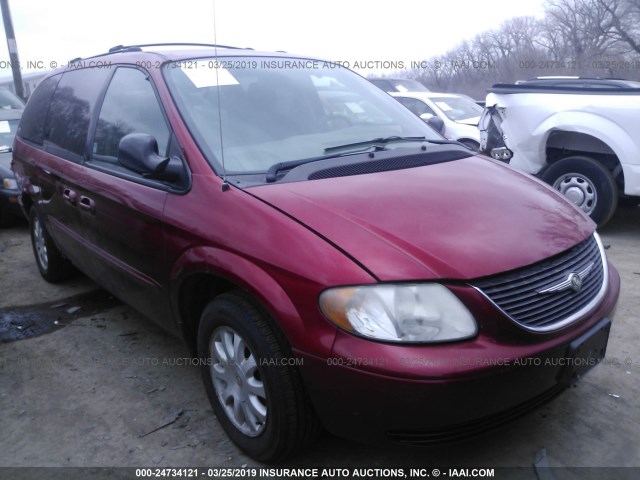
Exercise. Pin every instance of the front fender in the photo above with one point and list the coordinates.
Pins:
(299, 324)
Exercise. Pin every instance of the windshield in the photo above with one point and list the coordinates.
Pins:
(261, 111)
(457, 108)
(8, 101)
(7, 133)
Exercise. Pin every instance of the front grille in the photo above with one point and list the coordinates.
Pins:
(520, 293)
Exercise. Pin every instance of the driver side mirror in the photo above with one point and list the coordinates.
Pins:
(434, 122)
(139, 152)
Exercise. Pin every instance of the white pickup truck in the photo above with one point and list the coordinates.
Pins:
(584, 141)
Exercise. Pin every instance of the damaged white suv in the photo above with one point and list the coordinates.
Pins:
(584, 141)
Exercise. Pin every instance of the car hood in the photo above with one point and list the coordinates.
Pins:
(457, 130)
(457, 220)
(470, 121)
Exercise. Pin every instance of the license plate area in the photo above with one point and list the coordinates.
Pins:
(585, 352)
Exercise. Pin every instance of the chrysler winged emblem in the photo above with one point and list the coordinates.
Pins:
(572, 282)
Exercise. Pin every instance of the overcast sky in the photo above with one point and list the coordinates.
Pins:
(55, 31)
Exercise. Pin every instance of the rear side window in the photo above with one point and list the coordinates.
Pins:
(35, 113)
(130, 106)
(67, 124)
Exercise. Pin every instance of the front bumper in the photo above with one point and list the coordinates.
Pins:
(376, 392)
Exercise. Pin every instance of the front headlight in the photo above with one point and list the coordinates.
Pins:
(9, 184)
(399, 313)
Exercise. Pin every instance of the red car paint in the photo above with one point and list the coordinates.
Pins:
(285, 243)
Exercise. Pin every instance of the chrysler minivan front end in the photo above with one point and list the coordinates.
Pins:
(331, 259)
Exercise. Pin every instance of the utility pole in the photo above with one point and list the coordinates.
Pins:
(13, 48)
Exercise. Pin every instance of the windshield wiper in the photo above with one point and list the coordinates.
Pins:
(376, 141)
(272, 173)
(376, 144)
(447, 142)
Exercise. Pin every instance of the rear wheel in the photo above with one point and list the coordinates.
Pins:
(53, 265)
(251, 380)
(587, 183)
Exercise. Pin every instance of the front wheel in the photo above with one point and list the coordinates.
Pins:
(587, 183)
(251, 380)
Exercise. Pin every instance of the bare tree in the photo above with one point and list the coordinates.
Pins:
(585, 37)
(622, 22)
(582, 26)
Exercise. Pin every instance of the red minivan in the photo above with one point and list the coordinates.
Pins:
(331, 260)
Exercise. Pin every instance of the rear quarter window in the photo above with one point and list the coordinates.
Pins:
(72, 105)
(32, 122)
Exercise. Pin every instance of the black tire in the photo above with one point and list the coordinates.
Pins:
(291, 423)
(53, 265)
(588, 183)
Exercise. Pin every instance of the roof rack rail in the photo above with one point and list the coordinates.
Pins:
(137, 48)
(125, 48)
